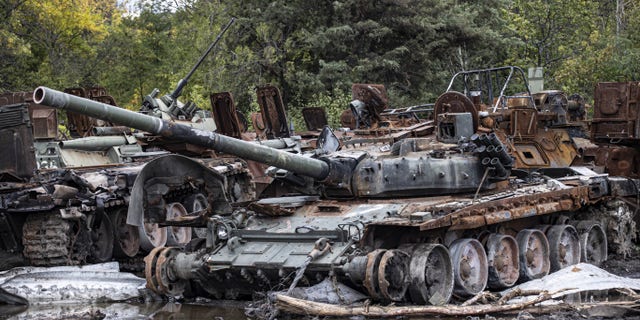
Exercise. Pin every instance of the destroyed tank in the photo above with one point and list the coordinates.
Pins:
(40, 188)
(489, 198)
(68, 201)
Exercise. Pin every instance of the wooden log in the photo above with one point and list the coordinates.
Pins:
(304, 307)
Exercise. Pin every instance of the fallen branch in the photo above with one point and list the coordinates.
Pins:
(483, 296)
(304, 307)
(630, 293)
(517, 292)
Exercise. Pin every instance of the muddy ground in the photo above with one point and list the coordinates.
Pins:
(234, 310)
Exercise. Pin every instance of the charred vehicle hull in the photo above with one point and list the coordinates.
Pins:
(455, 210)
(67, 202)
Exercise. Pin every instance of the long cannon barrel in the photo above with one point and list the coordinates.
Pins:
(314, 168)
(94, 143)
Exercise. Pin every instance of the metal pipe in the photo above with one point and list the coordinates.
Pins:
(110, 131)
(93, 143)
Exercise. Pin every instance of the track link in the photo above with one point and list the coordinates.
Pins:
(49, 240)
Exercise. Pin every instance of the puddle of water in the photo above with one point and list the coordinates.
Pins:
(174, 311)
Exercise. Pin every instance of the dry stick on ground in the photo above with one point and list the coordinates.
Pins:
(630, 293)
(303, 307)
(517, 292)
(483, 295)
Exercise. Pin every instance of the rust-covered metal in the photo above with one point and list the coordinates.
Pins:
(273, 111)
(225, 114)
(18, 160)
(616, 114)
(315, 118)
(81, 125)
(431, 180)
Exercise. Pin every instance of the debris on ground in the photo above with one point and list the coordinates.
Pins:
(575, 279)
(69, 284)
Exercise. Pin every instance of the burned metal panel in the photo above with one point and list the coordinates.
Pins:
(315, 118)
(225, 114)
(82, 125)
(524, 123)
(422, 176)
(614, 160)
(44, 119)
(96, 91)
(616, 111)
(548, 148)
(512, 208)
(273, 112)
(454, 126)
(45, 123)
(530, 155)
(17, 161)
(373, 95)
(15, 97)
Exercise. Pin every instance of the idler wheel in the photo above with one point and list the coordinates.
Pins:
(177, 236)
(158, 272)
(150, 262)
(564, 246)
(469, 267)
(593, 242)
(371, 273)
(126, 237)
(430, 274)
(392, 275)
(502, 256)
(102, 238)
(167, 283)
(533, 254)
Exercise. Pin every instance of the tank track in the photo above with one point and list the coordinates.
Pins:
(49, 240)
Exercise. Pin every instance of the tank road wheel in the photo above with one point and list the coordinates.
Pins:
(195, 203)
(564, 246)
(469, 266)
(392, 275)
(177, 236)
(102, 240)
(502, 256)
(126, 237)
(371, 273)
(593, 242)
(534, 254)
(152, 236)
(430, 274)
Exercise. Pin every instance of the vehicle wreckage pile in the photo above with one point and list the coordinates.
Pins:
(496, 187)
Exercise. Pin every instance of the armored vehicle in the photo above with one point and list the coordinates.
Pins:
(68, 201)
(489, 198)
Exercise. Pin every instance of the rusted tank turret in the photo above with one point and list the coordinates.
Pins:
(458, 210)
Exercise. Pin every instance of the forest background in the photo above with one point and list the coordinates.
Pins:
(312, 50)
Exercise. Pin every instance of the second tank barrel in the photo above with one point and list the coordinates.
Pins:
(314, 168)
(94, 143)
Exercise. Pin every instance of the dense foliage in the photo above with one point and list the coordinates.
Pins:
(312, 50)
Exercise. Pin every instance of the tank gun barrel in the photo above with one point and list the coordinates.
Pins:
(314, 168)
(94, 143)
